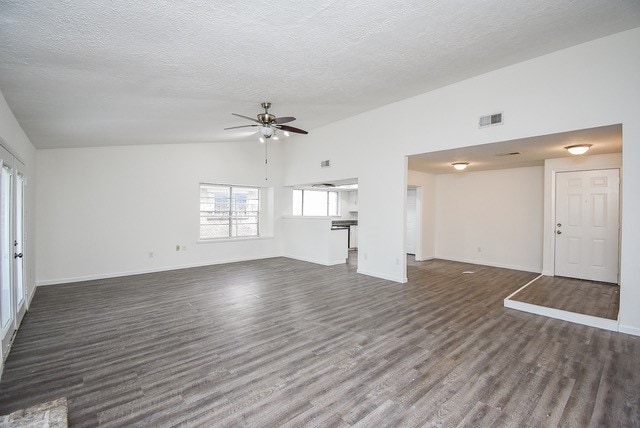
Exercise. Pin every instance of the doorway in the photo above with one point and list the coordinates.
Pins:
(587, 224)
(12, 216)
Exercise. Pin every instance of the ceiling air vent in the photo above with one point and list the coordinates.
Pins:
(508, 154)
(490, 119)
(325, 164)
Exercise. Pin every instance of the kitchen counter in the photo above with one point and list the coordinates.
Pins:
(343, 223)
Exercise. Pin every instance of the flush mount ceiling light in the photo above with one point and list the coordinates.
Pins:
(460, 165)
(578, 149)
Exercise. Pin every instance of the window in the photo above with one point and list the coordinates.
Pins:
(228, 211)
(316, 202)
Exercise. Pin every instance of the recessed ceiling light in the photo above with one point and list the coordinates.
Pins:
(460, 165)
(578, 149)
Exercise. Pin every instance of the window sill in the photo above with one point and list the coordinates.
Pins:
(248, 238)
(313, 217)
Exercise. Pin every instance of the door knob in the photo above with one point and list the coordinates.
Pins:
(18, 255)
(559, 232)
(559, 225)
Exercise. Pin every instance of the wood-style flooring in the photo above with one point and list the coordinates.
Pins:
(280, 342)
(597, 299)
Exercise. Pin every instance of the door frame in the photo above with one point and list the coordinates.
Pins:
(17, 166)
(418, 228)
(549, 250)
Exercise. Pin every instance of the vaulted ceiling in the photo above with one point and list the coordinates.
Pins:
(90, 73)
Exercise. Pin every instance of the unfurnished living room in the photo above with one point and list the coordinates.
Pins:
(285, 213)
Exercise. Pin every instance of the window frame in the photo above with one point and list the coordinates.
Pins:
(230, 213)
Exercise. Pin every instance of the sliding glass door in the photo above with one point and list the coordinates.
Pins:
(12, 215)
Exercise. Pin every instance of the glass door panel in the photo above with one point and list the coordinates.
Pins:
(7, 313)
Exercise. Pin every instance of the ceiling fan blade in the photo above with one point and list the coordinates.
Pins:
(246, 117)
(242, 126)
(291, 129)
(288, 119)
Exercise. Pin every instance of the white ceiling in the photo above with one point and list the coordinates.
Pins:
(91, 73)
(532, 151)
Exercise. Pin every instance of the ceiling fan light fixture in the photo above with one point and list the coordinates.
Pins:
(266, 131)
(578, 149)
(262, 140)
(460, 165)
(286, 133)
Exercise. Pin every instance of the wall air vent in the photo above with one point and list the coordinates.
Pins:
(325, 164)
(490, 120)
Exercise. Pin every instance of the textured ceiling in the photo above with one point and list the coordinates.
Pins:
(531, 151)
(92, 73)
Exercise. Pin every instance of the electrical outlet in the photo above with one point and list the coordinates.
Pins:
(177, 247)
(183, 247)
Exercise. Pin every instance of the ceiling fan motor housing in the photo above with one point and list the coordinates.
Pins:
(266, 118)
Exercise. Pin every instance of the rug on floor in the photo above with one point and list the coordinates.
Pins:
(52, 414)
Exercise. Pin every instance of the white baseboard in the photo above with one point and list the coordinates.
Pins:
(317, 261)
(60, 281)
(382, 276)
(588, 320)
(629, 330)
(30, 296)
(485, 263)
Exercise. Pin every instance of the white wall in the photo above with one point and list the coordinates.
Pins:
(588, 85)
(311, 239)
(16, 141)
(492, 218)
(426, 184)
(103, 210)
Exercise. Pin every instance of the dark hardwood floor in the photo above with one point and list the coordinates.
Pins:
(597, 299)
(280, 342)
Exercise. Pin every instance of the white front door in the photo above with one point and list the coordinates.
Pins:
(587, 221)
(411, 221)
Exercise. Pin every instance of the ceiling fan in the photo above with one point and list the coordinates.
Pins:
(268, 123)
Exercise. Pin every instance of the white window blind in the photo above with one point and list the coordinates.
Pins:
(228, 211)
